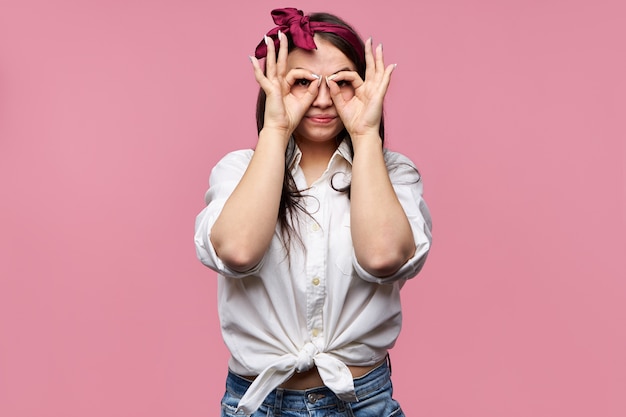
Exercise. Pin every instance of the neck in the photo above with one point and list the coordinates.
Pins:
(317, 152)
(315, 157)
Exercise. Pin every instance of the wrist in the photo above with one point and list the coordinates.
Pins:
(277, 135)
(366, 139)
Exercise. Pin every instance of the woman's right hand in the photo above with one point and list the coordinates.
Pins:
(284, 105)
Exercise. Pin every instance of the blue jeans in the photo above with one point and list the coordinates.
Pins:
(374, 391)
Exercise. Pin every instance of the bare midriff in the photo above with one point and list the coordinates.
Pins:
(312, 379)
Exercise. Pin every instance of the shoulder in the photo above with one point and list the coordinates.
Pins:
(232, 165)
(400, 166)
(241, 156)
(238, 158)
(392, 158)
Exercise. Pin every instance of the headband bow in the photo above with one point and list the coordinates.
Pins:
(292, 21)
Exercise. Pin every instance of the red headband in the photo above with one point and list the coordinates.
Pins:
(301, 29)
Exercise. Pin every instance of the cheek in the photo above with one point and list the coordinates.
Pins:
(339, 127)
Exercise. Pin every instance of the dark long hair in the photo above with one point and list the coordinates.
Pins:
(290, 200)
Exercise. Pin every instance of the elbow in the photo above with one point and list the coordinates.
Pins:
(237, 256)
(382, 263)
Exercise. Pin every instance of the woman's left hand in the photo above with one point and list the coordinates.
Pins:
(361, 113)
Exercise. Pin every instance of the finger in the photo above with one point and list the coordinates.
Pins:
(258, 71)
(303, 85)
(281, 62)
(387, 77)
(303, 89)
(345, 79)
(270, 59)
(339, 82)
(370, 65)
(380, 63)
(260, 77)
(297, 75)
(335, 92)
(312, 91)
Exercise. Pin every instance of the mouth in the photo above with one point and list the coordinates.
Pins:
(321, 118)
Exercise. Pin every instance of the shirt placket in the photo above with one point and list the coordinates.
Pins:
(315, 267)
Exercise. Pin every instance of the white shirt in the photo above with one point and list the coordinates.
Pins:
(318, 307)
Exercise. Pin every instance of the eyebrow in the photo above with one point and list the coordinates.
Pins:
(343, 69)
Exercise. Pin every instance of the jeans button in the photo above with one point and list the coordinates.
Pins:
(312, 398)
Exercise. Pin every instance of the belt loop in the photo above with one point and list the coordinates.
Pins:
(278, 402)
(341, 406)
(389, 363)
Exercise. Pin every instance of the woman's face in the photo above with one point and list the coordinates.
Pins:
(320, 123)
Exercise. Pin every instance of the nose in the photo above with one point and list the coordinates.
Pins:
(323, 99)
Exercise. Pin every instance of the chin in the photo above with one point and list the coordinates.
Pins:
(318, 136)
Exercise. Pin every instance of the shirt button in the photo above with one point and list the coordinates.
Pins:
(315, 332)
(315, 227)
(316, 281)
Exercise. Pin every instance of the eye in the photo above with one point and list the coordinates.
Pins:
(302, 82)
(342, 83)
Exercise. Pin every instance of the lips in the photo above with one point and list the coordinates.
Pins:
(321, 118)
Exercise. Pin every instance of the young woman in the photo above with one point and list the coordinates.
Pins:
(314, 232)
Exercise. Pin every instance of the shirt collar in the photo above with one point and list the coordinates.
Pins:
(343, 151)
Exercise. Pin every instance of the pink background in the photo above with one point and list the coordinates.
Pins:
(113, 112)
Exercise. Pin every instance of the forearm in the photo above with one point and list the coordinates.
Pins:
(244, 229)
(381, 233)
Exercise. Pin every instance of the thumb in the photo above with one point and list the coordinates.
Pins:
(312, 90)
(335, 91)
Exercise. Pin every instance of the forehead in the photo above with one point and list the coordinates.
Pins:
(327, 57)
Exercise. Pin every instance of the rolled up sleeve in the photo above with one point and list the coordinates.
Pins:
(223, 179)
(408, 185)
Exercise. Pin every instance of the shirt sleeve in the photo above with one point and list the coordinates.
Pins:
(223, 179)
(408, 185)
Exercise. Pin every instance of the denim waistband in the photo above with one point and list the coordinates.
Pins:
(318, 397)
